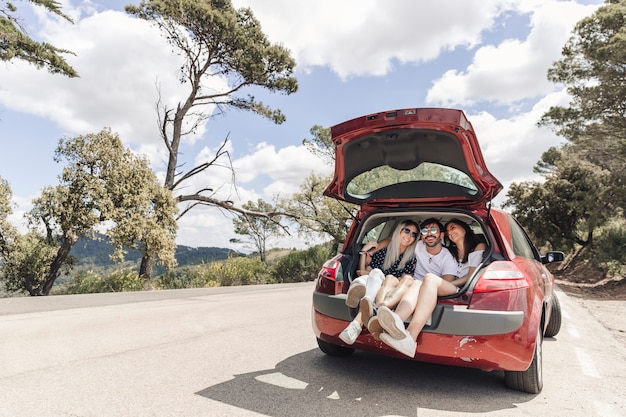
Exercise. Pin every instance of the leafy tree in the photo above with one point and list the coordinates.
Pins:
(592, 68)
(317, 215)
(16, 44)
(568, 207)
(217, 42)
(102, 184)
(257, 230)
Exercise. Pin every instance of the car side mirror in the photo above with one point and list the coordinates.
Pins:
(553, 256)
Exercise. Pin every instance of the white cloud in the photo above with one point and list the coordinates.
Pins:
(515, 69)
(357, 37)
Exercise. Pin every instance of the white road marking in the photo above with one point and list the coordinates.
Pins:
(282, 380)
(586, 363)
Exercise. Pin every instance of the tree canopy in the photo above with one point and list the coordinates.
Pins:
(103, 185)
(581, 202)
(219, 45)
(15, 43)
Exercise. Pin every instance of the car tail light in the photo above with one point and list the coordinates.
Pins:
(500, 276)
(331, 268)
(327, 278)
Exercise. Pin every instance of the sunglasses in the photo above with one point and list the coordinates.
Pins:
(409, 231)
(433, 231)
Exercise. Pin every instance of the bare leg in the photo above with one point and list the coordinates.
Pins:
(389, 284)
(432, 286)
(394, 295)
(407, 304)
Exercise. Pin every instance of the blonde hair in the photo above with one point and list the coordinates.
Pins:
(393, 249)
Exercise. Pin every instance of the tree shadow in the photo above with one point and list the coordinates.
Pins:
(364, 384)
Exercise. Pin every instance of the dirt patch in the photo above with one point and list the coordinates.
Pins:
(585, 281)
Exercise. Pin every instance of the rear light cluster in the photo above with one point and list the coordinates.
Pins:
(331, 268)
(328, 276)
(501, 276)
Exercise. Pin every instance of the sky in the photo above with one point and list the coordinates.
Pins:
(354, 57)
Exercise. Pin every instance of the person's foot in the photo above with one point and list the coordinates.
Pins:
(350, 333)
(392, 323)
(406, 345)
(355, 293)
(374, 327)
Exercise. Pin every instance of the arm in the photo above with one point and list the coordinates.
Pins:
(365, 255)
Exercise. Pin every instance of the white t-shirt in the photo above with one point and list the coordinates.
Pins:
(473, 260)
(441, 264)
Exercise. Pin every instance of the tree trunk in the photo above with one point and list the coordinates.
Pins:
(55, 268)
(145, 270)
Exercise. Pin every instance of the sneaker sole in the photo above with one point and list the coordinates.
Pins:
(388, 322)
(375, 328)
(354, 296)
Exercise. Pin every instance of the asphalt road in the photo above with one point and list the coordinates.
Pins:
(249, 351)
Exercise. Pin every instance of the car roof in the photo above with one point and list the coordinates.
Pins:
(422, 156)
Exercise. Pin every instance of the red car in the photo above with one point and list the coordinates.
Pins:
(421, 163)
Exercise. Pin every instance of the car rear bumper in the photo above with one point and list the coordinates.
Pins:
(458, 336)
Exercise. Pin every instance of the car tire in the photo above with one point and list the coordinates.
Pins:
(530, 380)
(554, 325)
(333, 350)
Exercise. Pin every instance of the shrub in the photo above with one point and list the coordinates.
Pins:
(86, 282)
(302, 265)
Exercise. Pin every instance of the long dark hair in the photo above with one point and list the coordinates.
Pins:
(470, 241)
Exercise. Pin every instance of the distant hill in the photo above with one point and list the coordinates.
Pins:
(96, 253)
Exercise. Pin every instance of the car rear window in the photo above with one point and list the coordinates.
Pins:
(386, 176)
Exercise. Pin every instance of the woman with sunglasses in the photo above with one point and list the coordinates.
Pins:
(392, 257)
(420, 300)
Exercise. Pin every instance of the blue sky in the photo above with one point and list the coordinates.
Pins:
(487, 57)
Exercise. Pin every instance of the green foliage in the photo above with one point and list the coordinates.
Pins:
(16, 44)
(256, 229)
(321, 144)
(610, 247)
(27, 263)
(567, 207)
(301, 266)
(87, 282)
(101, 184)
(319, 216)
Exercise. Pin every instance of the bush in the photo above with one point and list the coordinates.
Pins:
(239, 271)
(610, 247)
(87, 282)
(301, 266)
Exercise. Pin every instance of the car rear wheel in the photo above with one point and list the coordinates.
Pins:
(530, 380)
(333, 350)
(554, 325)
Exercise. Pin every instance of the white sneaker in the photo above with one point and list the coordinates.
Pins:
(392, 323)
(355, 293)
(351, 332)
(406, 346)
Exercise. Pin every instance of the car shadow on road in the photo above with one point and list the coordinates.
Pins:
(364, 384)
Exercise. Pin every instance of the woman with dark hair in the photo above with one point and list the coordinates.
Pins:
(468, 253)
(395, 257)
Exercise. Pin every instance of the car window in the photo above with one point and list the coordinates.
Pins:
(383, 176)
(521, 243)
